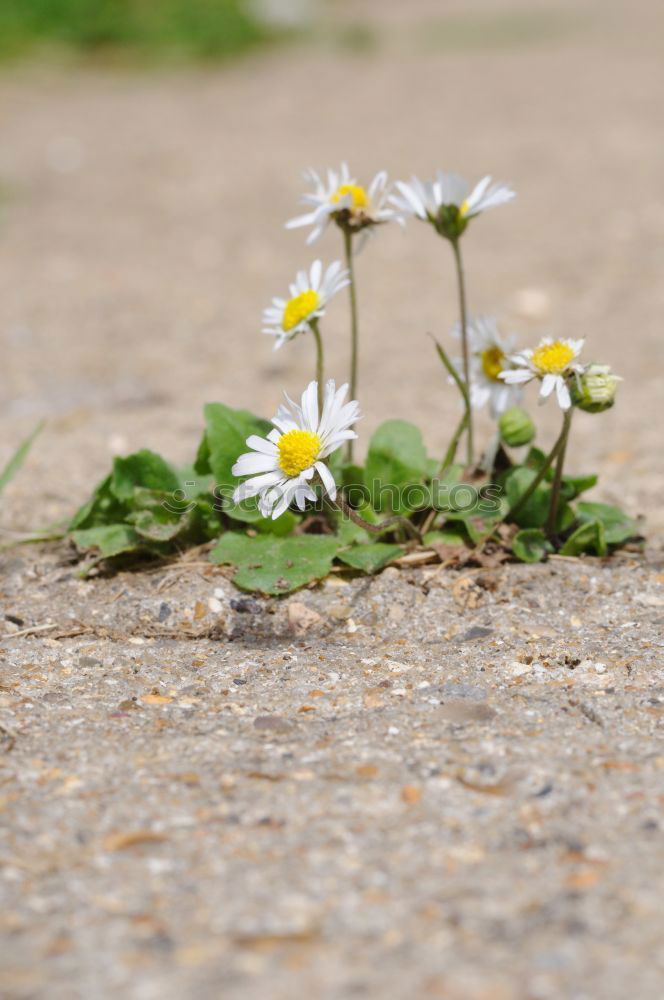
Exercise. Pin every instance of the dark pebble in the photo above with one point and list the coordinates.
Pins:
(476, 632)
(245, 606)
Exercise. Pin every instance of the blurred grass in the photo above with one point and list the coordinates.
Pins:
(196, 29)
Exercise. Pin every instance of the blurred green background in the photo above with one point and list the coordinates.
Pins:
(192, 28)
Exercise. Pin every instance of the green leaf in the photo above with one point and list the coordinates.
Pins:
(157, 525)
(396, 460)
(572, 486)
(589, 537)
(535, 458)
(276, 565)
(476, 526)
(534, 512)
(226, 433)
(452, 533)
(281, 527)
(142, 470)
(565, 517)
(531, 545)
(370, 557)
(619, 527)
(202, 461)
(102, 508)
(109, 539)
(348, 532)
(18, 458)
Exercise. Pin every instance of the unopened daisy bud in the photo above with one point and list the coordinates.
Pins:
(516, 428)
(594, 390)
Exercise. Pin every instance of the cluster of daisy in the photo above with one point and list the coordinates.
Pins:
(284, 467)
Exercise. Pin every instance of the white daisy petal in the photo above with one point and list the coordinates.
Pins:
(252, 462)
(327, 480)
(292, 455)
(424, 199)
(339, 192)
(564, 400)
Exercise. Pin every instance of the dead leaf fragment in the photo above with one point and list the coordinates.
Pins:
(411, 795)
(584, 878)
(132, 838)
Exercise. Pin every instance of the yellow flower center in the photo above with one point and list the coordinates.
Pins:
(552, 359)
(358, 194)
(299, 308)
(298, 451)
(492, 363)
(463, 208)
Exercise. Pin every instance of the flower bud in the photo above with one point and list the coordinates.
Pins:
(595, 389)
(516, 427)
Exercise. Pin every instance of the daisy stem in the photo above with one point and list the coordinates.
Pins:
(541, 472)
(465, 420)
(319, 361)
(463, 314)
(354, 346)
(558, 474)
(377, 529)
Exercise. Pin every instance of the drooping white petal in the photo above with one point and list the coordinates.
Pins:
(327, 480)
(252, 462)
(257, 484)
(563, 394)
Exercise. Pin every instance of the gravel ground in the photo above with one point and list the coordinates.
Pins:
(429, 783)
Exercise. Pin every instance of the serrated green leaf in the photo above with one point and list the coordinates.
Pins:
(272, 565)
(18, 458)
(158, 527)
(226, 433)
(102, 508)
(531, 545)
(144, 470)
(396, 460)
(109, 539)
(371, 556)
(589, 537)
(619, 527)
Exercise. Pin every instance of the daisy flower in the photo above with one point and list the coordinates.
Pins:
(489, 357)
(308, 296)
(339, 197)
(447, 202)
(553, 362)
(283, 465)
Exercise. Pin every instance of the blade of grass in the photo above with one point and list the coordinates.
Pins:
(18, 458)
